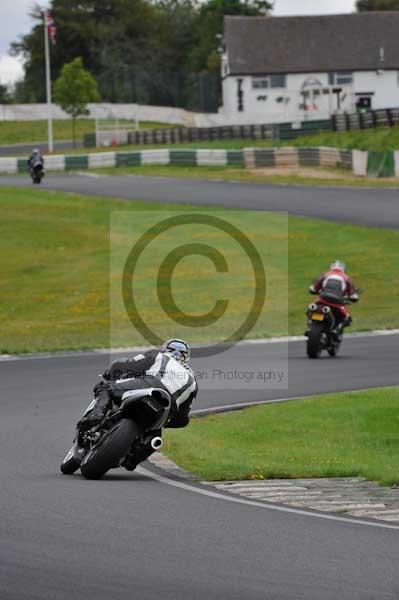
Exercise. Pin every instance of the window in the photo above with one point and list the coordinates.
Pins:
(269, 81)
(278, 81)
(260, 83)
(340, 78)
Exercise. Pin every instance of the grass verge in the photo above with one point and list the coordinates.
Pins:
(360, 438)
(55, 279)
(313, 176)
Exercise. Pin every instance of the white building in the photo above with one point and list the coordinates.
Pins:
(277, 69)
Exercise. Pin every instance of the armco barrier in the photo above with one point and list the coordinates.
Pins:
(374, 164)
(209, 158)
(309, 157)
(77, 161)
(102, 159)
(293, 157)
(8, 165)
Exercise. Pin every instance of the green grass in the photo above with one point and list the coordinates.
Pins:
(341, 177)
(55, 277)
(360, 437)
(15, 132)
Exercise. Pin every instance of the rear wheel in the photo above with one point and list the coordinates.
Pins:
(69, 465)
(109, 450)
(314, 345)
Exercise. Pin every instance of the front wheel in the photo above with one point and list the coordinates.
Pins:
(314, 345)
(109, 450)
(69, 465)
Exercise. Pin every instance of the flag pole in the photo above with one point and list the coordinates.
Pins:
(48, 82)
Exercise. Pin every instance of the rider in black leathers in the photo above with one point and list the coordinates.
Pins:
(35, 159)
(166, 368)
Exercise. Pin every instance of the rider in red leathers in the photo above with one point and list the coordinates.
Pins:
(333, 288)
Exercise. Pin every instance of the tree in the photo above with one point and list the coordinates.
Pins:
(161, 52)
(74, 89)
(106, 34)
(5, 96)
(210, 26)
(367, 5)
(204, 57)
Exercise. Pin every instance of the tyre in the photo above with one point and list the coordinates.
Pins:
(314, 345)
(109, 450)
(69, 465)
(334, 349)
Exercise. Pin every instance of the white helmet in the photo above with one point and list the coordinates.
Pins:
(338, 265)
(179, 349)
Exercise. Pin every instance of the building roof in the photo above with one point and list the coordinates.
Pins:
(310, 44)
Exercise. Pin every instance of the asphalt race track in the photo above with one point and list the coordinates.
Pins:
(371, 207)
(132, 536)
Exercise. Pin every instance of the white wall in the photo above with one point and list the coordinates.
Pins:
(269, 110)
(256, 110)
(162, 114)
(385, 85)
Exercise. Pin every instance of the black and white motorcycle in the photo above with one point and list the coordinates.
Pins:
(122, 438)
(37, 172)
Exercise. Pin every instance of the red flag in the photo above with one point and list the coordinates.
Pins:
(51, 28)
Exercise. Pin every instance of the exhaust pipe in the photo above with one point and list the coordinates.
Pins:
(156, 443)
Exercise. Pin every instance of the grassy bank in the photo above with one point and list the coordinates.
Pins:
(55, 281)
(360, 438)
(15, 132)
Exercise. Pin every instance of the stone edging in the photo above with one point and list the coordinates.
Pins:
(352, 496)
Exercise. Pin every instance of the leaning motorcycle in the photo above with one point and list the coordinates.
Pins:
(321, 332)
(122, 436)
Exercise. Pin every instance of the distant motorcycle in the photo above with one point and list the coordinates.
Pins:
(322, 331)
(37, 173)
(121, 437)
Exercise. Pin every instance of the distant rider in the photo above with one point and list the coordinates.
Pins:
(333, 288)
(35, 159)
(166, 368)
